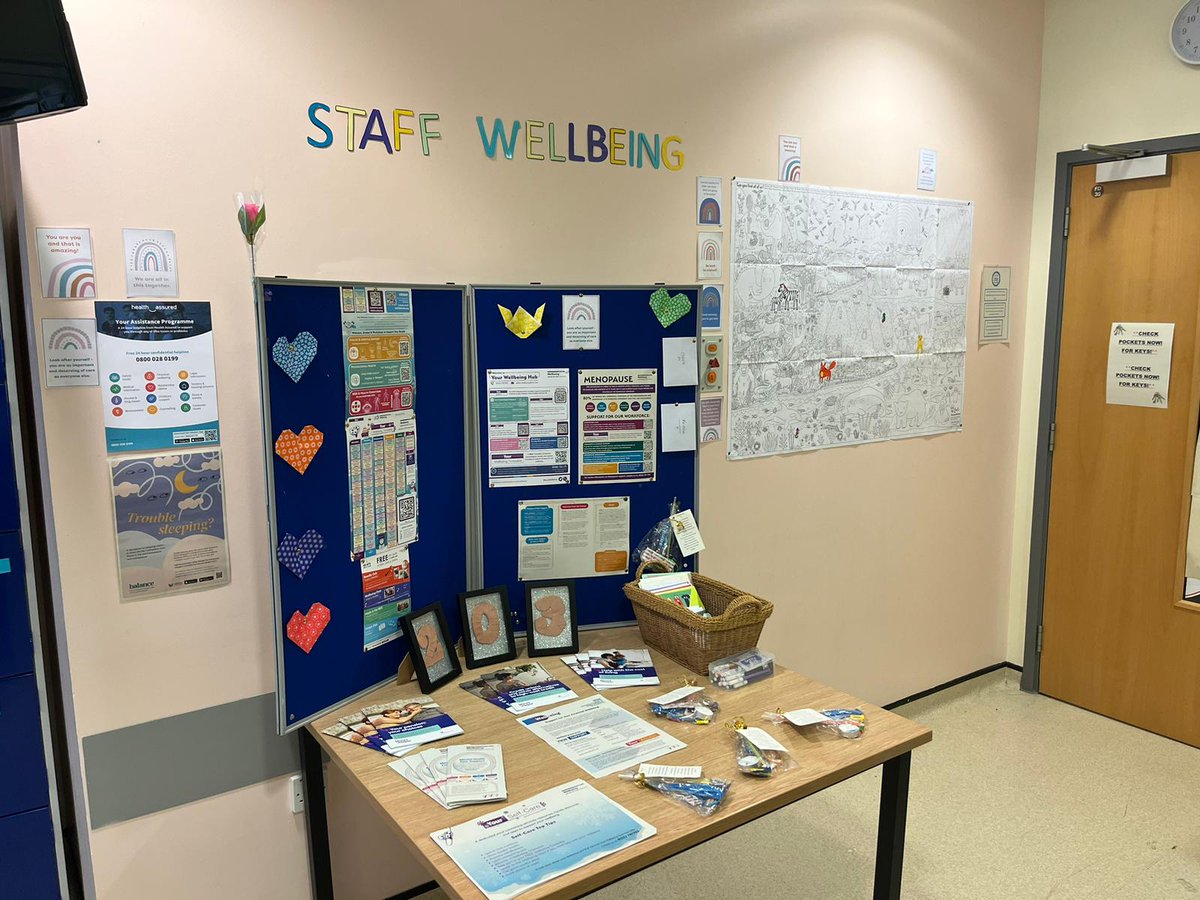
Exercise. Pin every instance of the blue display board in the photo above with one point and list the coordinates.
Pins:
(630, 337)
(337, 667)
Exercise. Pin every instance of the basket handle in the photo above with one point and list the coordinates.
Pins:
(744, 602)
(650, 563)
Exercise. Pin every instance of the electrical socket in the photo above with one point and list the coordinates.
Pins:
(296, 783)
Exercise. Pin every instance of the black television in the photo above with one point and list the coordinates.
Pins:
(39, 71)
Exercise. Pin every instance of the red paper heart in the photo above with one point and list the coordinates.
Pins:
(303, 631)
(298, 450)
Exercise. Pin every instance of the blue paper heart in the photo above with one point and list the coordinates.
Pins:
(295, 357)
(298, 553)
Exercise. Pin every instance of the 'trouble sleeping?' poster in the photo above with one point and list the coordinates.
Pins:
(170, 518)
(158, 375)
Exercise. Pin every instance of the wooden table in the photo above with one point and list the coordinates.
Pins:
(531, 766)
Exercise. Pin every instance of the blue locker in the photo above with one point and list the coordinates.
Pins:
(22, 758)
(28, 868)
(16, 641)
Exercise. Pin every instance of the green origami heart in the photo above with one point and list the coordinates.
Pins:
(669, 309)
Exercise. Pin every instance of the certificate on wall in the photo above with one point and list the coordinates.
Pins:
(618, 410)
(581, 538)
(170, 518)
(529, 427)
(158, 373)
(505, 852)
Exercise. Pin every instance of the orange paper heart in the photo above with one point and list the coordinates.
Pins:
(298, 450)
(303, 631)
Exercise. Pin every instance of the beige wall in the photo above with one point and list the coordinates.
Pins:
(1108, 76)
(889, 564)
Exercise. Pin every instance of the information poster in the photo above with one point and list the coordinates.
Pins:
(69, 352)
(382, 457)
(618, 411)
(581, 321)
(1139, 363)
(377, 349)
(387, 595)
(150, 265)
(529, 427)
(156, 364)
(581, 538)
(170, 520)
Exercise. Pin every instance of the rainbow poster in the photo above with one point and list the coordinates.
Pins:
(789, 157)
(65, 261)
(581, 321)
(710, 306)
(150, 265)
(708, 200)
(708, 255)
(69, 352)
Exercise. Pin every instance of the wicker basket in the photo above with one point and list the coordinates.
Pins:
(692, 641)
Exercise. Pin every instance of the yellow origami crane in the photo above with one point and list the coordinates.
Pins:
(521, 323)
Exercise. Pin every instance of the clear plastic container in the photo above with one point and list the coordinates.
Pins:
(741, 669)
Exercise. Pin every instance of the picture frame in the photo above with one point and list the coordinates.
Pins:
(487, 627)
(432, 652)
(546, 602)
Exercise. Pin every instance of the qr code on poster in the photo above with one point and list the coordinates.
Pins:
(560, 456)
(406, 508)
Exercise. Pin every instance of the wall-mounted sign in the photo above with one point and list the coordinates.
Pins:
(1139, 363)
(535, 139)
(995, 294)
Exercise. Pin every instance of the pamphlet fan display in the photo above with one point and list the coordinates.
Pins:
(320, 653)
(630, 338)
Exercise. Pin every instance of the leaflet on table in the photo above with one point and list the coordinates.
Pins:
(387, 595)
(508, 851)
(377, 349)
(520, 688)
(617, 425)
(395, 727)
(604, 669)
(601, 737)
(382, 457)
(156, 363)
(458, 775)
(578, 538)
(529, 427)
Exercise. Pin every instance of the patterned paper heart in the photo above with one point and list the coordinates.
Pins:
(298, 553)
(294, 358)
(669, 309)
(298, 450)
(303, 631)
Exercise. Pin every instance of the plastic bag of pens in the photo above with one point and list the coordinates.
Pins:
(847, 723)
(686, 704)
(683, 784)
(759, 754)
(658, 547)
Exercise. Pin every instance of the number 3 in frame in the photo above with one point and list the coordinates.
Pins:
(550, 623)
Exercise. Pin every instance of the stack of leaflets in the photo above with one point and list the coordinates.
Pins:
(520, 688)
(458, 775)
(397, 726)
(674, 586)
(604, 669)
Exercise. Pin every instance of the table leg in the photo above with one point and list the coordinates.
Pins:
(893, 813)
(312, 767)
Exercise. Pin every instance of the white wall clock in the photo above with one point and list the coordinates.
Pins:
(1185, 33)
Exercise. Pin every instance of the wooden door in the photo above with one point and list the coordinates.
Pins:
(1117, 637)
